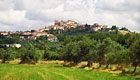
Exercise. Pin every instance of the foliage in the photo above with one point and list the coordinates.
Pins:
(114, 27)
(124, 28)
(50, 55)
(42, 38)
(80, 50)
(105, 51)
(7, 54)
(116, 54)
(135, 51)
(76, 45)
(66, 52)
(29, 54)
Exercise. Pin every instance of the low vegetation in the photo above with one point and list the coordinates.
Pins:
(55, 72)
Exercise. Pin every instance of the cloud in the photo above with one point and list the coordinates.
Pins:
(11, 16)
(6, 5)
(35, 14)
(36, 4)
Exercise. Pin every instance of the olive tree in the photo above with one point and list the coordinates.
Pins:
(117, 55)
(29, 54)
(7, 54)
(70, 52)
(135, 51)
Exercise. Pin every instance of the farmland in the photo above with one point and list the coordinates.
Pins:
(55, 72)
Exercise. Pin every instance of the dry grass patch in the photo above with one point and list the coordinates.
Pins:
(51, 62)
(0, 61)
(16, 61)
(123, 32)
(95, 67)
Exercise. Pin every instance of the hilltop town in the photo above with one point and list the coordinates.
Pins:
(69, 40)
(73, 44)
(58, 25)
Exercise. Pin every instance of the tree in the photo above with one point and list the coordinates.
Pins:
(79, 28)
(50, 55)
(42, 45)
(7, 54)
(32, 30)
(81, 50)
(130, 39)
(2, 36)
(85, 45)
(66, 40)
(92, 55)
(43, 38)
(98, 36)
(87, 27)
(124, 28)
(66, 51)
(114, 28)
(2, 51)
(76, 54)
(116, 55)
(29, 54)
(121, 39)
(103, 49)
(135, 51)
(111, 52)
(5, 40)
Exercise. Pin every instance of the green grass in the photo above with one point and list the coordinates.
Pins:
(131, 69)
(54, 72)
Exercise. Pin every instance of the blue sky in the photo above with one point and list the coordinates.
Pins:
(35, 14)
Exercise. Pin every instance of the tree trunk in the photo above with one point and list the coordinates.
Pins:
(135, 68)
(107, 65)
(100, 65)
(3, 61)
(89, 63)
(118, 66)
(75, 63)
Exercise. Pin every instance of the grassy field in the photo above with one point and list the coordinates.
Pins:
(55, 72)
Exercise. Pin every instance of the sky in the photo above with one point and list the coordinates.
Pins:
(21, 15)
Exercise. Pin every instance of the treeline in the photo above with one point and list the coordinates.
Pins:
(5, 40)
(62, 34)
(104, 48)
(31, 52)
